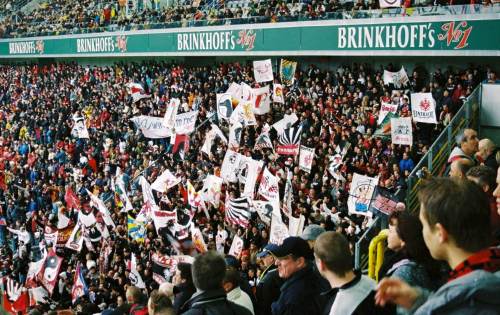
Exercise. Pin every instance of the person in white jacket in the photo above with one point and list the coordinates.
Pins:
(234, 292)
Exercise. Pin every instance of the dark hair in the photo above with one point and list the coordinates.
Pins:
(160, 303)
(484, 176)
(333, 250)
(409, 229)
(185, 270)
(208, 270)
(232, 276)
(461, 207)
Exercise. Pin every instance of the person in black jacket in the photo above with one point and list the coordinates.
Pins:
(268, 287)
(301, 292)
(208, 271)
(184, 287)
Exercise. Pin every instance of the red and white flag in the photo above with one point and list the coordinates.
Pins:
(306, 158)
(51, 268)
(261, 100)
(137, 91)
(268, 187)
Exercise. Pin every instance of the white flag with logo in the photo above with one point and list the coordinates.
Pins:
(386, 108)
(235, 135)
(230, 166)
(236, 247)
(165, 181)
(361, 193)
(285, 123)
(423, 108)
(279, 231)
(263, 70)
(306, 158)
(79, 129)
(389, 3)
(268, 187)
(401, 131)
(278, 96)
(261, 100)
(248, 172)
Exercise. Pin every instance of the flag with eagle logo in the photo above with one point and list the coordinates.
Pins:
(289, 141)
(423, 108)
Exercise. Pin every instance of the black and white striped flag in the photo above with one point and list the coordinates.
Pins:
(289, 141)
(238, 211)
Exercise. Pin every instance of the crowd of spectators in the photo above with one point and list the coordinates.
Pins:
(40, 161)
(61, 17)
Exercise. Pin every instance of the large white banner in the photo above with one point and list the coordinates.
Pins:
(268, 187)
(361, 193)
(386, 108)
(155, 127)
(423, 108)
(401, 131)
(306, 158)
(263, 70)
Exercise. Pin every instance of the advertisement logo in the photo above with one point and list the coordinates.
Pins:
(458, 34)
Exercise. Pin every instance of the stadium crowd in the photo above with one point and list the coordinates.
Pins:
(47, 175)
(67, 17)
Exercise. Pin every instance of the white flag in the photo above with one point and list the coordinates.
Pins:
(261, 100)
(230, 166)
(386, 108)
(423, 108)
(285, 123)
(278, 96)
(152, 127)
(306, 158)
(398, 79)
(161, 219)
(265, 209)
(171, 112)
(137, 91)
(389, 3)
(165, 181)
(224, 106)
(361, 193)
(244, 113)
(75, 240)
(263, 70)
(401, 131)
(211, 190)
(134, 276)
(248, 172)
(99, 204)
(236, 247)
(235, 135)
(147, 193)
(268, 187)
(235, 90)
(79, 128)
(296, 225)
(279, 231)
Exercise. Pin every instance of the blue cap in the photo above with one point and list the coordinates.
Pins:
(268, 250)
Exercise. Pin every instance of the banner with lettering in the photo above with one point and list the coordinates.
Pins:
(423, 108)
(185, 123)
(401, 131)
(152, 127)
(384, 109)
(361, 193)
(263, 70)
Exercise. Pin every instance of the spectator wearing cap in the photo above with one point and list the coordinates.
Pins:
(311, 233)
(231, 285)
(351, 292)
(300, 294)
(455, 218)
(268, 287)
(208, 271)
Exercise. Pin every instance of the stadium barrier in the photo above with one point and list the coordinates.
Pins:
(434, 162)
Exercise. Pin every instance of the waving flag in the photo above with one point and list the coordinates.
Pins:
(75, 240)
(288, 196)
(237, 211)
(285, 123)
(118, 186)
(248, 172)
(289, 142)
(287, 71)
(263, 140)
(230, 165)
(278, 96)
(72, 201)
(137, 91)
(33, 272)
(211, 190)
(224, 106)
(51, 268)
(194, 198)
(265, 209)
(263, 70)
(261, 100)
(198, 241)
(38, 295)
(134, 276)
(136, 229)
(268, 187)
(235, 132)
(165, 181)
(162, 219)
(99, 204)
(361, 193)
(79, 286)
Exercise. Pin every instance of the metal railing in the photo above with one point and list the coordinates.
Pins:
(436, 159)
(339, 15)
